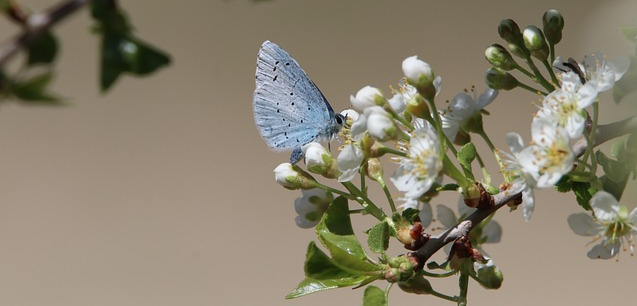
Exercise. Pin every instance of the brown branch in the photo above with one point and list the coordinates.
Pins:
(37, 24)
(435, 243)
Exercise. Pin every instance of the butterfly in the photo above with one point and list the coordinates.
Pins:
(289, 110)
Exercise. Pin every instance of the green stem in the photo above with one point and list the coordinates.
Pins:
(452, 171)
(487, 140)
(357, 211)
(593, 132)
(399, 118)
(524, 71)
(388, 195)
(539, 78)
(549, 68)
(463, 282)
(367, 204)
(336, 191)
(443, 296)
(531, 89)
(442, 275)
(438, 125)
(392, 151)
(552, 52)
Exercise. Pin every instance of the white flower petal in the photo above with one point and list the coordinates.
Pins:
(604, 250)
(446, 216)
(582, 224)
(604, 206)
(426, 215)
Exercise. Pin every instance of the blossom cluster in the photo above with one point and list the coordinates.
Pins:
(560, 121)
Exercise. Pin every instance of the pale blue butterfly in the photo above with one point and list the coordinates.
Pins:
(289, 109)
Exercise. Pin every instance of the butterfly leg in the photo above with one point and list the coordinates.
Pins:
(296, 156)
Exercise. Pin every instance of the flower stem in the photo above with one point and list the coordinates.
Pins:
(550, 70)
(539, 78)
(393, 151)
(452, 171)
(367, 204)
(443, 296)
(336, 191)
(442, 275)
(463, 282)
(531, 89)
(388, 195)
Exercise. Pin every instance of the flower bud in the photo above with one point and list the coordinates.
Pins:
(489, 274)
(311, 207)
(535, 42)
(500, 80)
(553, 23)
(380, 124)
(416, 285)
(420, 75)
(418, 107)
(500, 58)
(367, 97)
(318, 160)
(292, 177)
(374, 169)
(510, 32)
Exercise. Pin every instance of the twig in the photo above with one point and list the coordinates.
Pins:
(435, 243)
(37, 24)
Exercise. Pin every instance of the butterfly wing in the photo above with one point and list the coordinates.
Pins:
(289, 110)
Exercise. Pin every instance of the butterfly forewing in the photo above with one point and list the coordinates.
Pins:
(289, 110)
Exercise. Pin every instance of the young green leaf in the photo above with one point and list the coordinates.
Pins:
(336, 234)
(466, 155)
(321, 273)
(374, 296)
(43, 49)
(378, 239)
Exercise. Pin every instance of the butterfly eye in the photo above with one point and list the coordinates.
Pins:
(339, 119)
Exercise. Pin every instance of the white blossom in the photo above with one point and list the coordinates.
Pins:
(612, 224)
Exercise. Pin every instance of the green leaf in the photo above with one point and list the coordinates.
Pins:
(32, 90)
(337, 235)
(4, 4)
(628, 83)
(122, 52)
(378, 239)
(564, 184)
(43, 49)
(322, 274)
(447, 187)
(374, 296)
(630, 32)
(466, 155)
(583, 194)
(410, 214)
(613, 169)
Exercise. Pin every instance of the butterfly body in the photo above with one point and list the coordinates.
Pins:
(289, 110)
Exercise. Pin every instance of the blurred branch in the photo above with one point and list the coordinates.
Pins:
(435, 243)
(37, 24)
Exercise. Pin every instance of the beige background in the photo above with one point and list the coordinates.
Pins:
(161, 192)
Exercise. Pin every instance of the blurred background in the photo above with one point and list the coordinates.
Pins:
(161, 192)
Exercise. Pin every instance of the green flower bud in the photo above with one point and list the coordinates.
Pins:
(292, 177)
(510, 32)
(374, 169)
(500, 80)
(418, 107)
(500, 58)
(416, 285)
(553, 23)
(535, 42)
(490, 276)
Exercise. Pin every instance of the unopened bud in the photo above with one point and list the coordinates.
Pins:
(510, 32)
(500, 80)
(553, 23)
(499, 57)
(535, 42)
